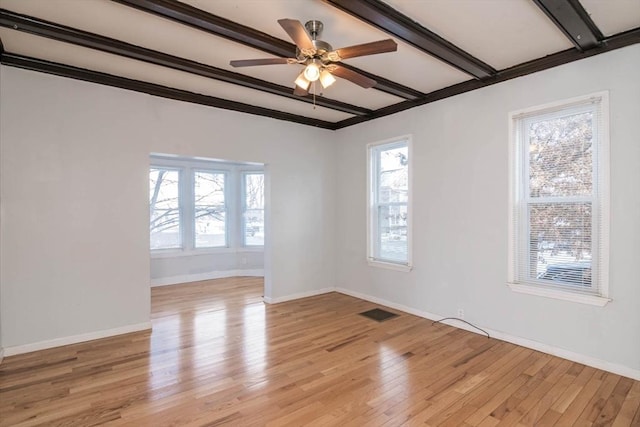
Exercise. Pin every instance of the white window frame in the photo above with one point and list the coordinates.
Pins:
(372, 203)
(181, 213)
(243, 198)
(233, 203)
(519, 198)
(192, 173)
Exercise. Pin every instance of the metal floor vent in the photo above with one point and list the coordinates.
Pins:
(378, 314)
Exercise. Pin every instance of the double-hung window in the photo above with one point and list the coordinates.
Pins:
(164, 208)
(253, 208)
(389, 230)
(210, 209)
(559, 209)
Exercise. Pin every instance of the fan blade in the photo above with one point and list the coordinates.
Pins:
(252, 62)
(381, 46)
(300, 92)
(298, 34)
(352, 76)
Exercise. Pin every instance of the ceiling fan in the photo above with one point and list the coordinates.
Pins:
(319, 58)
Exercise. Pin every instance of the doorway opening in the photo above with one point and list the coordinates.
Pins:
(207, 219)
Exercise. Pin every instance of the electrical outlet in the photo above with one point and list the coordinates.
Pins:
(460, 313)
(244, 260)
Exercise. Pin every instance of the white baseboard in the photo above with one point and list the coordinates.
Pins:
(186, 278)
(291, 297)
(74, 339)
(535, 345)
(524, 342)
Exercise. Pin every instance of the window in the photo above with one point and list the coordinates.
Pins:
(210, 210)
(199, 205)
(389, 198)
(559, 231)
(253, 209)
(164, 208)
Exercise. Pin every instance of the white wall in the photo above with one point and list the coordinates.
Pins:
(73, 243)
(74, 168)
(299, 180)
(460, 194)
(226, 263)
(74, 173)
(1, 222)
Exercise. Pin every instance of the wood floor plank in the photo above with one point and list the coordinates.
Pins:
(534, 416)
(219, 356)
(499, 373)
(613, 405)
(630, 406)
(598, 401)
(531, 393)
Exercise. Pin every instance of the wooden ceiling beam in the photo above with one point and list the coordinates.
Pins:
(62, 70)
(222, 27)
(617, 41)
(571, 18)
(82, 38)
(386, 18)
(197, 18)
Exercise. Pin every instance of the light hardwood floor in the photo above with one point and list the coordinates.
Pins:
(219, 356)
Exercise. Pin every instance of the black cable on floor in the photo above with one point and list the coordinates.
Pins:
(470, 324)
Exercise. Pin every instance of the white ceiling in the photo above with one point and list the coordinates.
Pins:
(501, 33)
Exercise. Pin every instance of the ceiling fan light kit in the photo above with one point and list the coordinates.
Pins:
(326, 79)
(312, 72)
(321, 61)
(302, 82)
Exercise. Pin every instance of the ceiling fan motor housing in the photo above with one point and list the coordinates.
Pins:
(314, 28)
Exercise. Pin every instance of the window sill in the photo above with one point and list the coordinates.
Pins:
(561, 295)
(169, 253)
(390, 265)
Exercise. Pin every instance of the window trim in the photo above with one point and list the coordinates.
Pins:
(371, 213)
(518, 166)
